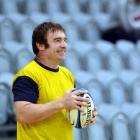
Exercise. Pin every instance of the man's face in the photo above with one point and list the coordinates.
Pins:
(133, 14)
(57, 46)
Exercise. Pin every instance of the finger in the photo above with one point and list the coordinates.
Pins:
(82, 99)
(95, 109)
(79, 91)
(69, 92)
(90, 123)
(81, 109)
(93, 121)
(95, 113)
(94, 116)
(81, 103)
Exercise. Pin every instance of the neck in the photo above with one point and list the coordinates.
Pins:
(47, 62)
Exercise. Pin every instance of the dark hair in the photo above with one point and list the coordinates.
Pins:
(40, 32)
(137, 1)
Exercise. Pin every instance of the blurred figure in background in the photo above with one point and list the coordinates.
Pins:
(127, 16)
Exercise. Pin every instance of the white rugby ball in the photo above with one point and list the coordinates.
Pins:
(81, 119)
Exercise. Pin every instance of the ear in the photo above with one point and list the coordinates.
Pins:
(40, 47)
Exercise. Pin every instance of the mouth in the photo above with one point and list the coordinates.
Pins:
(137, 18)
(136, 15)
(61, 52)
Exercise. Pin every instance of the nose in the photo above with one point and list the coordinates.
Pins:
(64, 44)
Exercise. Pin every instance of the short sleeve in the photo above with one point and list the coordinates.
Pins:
(25, 89)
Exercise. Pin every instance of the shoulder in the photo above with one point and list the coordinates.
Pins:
(29, 70)
(66, 71)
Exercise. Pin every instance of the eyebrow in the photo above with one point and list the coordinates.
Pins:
(65, 38)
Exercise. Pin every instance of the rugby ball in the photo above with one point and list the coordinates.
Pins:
(81, 119)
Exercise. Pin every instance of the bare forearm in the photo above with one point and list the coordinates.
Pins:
(31, 113)
(27, 112)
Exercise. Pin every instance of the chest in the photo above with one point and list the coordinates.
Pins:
(53, 86)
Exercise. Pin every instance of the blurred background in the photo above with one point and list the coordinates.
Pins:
(104, 56)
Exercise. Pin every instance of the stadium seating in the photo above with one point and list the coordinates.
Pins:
(105, 77)
(7, 113)
(115, 62)
(128, 77)
(72, 7)
(137, 127)
(7, 78)
(83, 77)
(9, 6)
(52, 7)
(38, 17)
(13, 45)
(61, 18)
(25, 30)
(82, 47)
(120, 128)
(5, 60)
(72, 61)
(131, 110)
(7, 30)
(91, 32)
(81, 20)
(133, 60)
(17, 19)
(77, 134)
(110, 71)
(138, 44)
(9, 47)
(95, 6)
(124, 47)
(104, 47)
(136, 91)
(117, 92)
(108, 112)
(94, 61)
(72, 33)
(23, 57)
(84, 134)
(93, 130)
(3, 104)
(32, 6)
(96, 90)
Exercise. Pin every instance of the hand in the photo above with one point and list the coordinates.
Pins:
(71, 101)
(93, 120)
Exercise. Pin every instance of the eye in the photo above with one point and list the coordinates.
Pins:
(58, 40)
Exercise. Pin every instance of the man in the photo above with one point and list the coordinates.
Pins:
(43, 89)
(126, 19)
